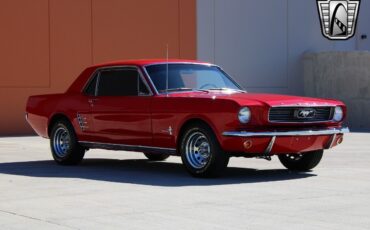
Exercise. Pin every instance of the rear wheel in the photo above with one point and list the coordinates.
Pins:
(64, 145)
(301, 162)
(201, 153)
(156, 156)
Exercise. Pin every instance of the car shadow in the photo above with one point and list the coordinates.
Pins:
(144, 172)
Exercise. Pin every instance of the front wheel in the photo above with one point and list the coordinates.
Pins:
(64, 145)
(301, 162)
(201, 153)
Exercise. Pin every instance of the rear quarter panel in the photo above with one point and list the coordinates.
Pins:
(39, 109)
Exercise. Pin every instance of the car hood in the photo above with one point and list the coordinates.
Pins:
(259, 98)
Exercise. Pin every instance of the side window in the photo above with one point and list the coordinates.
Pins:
(121, 82)
(91, 87)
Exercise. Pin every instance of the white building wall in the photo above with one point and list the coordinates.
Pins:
(261, 42)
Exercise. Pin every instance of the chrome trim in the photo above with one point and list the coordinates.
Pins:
(99, 69)
(331, 141)
(150, 80)
(332, 107)
(269, 146)
(97, 83)
(180, 62)
(134, 148)
(318, 132)
(82, 122)
(305, 105)
(190, 63)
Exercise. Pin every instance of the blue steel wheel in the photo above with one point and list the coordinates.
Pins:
(198, 150)
(64, 145)
(201, 153)
(61, 143)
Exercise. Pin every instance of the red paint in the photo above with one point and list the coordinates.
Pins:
(144, 120)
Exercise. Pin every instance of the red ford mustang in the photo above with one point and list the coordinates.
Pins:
(185, 108)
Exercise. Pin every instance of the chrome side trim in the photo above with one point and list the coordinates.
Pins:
(319, 132)
(134, 148)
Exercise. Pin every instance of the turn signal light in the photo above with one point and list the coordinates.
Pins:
(248, 144)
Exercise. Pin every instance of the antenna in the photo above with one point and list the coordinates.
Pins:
(167, 69)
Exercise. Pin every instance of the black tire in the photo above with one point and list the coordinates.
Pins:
(72, 153)
(301, 162)
(217, 159)
(156, 156)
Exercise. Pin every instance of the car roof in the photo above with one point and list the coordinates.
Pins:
(80, 82)
(144, 62)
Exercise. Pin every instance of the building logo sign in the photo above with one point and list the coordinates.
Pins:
(338, 18)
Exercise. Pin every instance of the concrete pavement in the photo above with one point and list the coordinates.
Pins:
(122, 190)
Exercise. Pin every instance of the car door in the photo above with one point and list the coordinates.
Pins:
(121, 108)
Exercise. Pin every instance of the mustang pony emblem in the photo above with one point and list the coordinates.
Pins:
(305, 113)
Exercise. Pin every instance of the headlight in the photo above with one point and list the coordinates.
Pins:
(244, 115)
(338, 114)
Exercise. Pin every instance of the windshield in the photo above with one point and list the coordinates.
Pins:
(182, 77)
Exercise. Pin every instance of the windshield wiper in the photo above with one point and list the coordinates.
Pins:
(203, 90)
(183, 89)
(177, 89)
(239, 90)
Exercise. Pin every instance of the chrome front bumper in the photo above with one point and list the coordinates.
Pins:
(331, 131)
(287, 133)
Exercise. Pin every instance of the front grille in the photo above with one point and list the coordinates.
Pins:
(296, 114)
